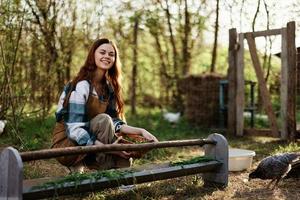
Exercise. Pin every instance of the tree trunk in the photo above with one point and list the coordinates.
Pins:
(47, 26)
(186, 55)
(134, 67)
(214, 52)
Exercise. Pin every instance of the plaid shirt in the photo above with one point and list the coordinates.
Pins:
(75, 116)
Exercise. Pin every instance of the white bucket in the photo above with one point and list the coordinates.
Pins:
(240, 159)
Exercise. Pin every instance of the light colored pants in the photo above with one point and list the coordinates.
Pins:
(102, 126)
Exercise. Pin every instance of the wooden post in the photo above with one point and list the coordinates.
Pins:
(291, 83)
(240, 88)
(262, 84)
(283, 85)
(220, 153)
(231, 112)
(11, 174)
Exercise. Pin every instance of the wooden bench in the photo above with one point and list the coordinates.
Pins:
(12, 184)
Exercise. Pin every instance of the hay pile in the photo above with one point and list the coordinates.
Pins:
(201, 99)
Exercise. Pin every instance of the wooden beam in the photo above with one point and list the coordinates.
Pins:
(265, 33)
(258, 132)
(291, 98)
(283, 85)
(240, 87)
(231, 105)
(129, 179)
(52, 153)
(265, 95)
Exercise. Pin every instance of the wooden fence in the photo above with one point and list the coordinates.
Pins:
(288, 81)
(11, 168)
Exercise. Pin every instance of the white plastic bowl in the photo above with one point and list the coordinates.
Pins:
(240, 159)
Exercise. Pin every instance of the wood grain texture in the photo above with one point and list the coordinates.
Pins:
(231, 106)
(264, 92)
(240, 87)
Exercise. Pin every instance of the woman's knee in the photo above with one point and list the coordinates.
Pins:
(102, 126)
(103, 118)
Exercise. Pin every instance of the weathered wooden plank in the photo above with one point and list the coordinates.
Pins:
(283, 85)
(266, 32)
(291, 99)
(258, 132)
(51, 153)
(231, 106)
(240, 87)
(264, 92)
(134, 178)
(11, 174)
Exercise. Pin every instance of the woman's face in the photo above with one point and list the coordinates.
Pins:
(105, 56)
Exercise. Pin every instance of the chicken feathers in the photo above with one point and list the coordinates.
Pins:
(275, 167)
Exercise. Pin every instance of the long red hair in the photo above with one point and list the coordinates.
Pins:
(113, 75)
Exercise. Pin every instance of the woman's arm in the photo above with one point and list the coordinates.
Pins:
(126, 129)
(122, 154)
(75, 120)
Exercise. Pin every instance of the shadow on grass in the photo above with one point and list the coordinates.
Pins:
(179, 188)
(287, 189)
(259, 193)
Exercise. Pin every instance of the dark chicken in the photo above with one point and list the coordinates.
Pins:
(295, 171)
(275, 167)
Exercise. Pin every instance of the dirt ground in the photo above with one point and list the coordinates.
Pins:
(189, 187)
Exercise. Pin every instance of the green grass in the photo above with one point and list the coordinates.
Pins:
(34, 133)
(197, 159)
(76, 178)
(152, 120)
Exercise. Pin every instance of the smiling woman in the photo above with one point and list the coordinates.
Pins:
(90, 111)
(105, 56)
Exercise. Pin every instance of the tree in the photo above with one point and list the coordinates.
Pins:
(11, 97)
(135, 63)
(186, 54)
(45, 17)
(214, 51)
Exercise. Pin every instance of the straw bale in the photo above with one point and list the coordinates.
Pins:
(201, 98)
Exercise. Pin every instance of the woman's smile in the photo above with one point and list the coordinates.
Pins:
(105, 56)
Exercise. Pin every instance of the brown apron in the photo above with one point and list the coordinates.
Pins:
(59, 136)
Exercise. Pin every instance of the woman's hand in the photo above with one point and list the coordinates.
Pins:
(148, 136)
(135, 130)
(122, 154)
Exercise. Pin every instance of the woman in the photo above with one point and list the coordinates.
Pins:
(91, 110)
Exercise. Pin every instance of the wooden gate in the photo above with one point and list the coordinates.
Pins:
(288, 81)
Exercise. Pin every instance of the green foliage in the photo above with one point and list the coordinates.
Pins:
(263, 146)
(291, 147)
(152, 120)
(36, 134)
(198, 159)
(260, 121)
(76, 178)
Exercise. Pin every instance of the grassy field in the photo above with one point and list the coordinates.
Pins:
(36, 134)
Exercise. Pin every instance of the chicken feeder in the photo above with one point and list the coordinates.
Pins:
(240, 159)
